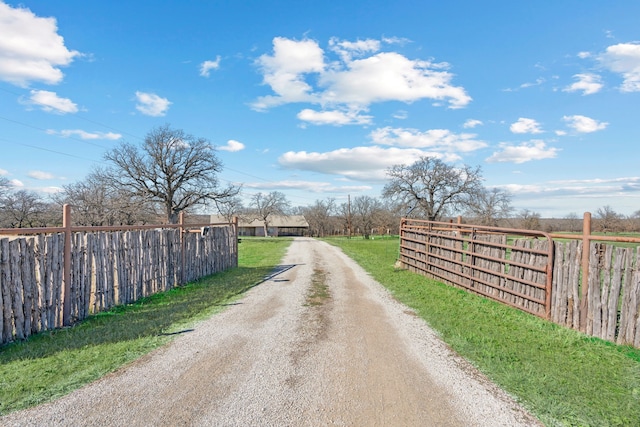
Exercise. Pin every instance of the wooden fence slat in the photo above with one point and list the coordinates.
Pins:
(57, 278)
(27, 261)
(593, 301)
(16, 288)
(49, 283)
(628, 306)
(35, 277)
(6, 323)
(605, 290)
(574, 280)
(614, 294)
(559, 300)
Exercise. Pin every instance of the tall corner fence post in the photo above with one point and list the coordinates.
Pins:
(66, 268)
(584, 295)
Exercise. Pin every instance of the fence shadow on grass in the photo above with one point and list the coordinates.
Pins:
(149, 317)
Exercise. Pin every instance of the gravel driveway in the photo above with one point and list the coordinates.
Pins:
(317, 344)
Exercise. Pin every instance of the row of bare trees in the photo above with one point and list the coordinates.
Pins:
(172, 172)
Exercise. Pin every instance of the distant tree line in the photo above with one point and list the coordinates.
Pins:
(173, 172)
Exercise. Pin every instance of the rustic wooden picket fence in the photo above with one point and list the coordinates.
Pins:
(104, 267)
(608, 306)
(596, 291)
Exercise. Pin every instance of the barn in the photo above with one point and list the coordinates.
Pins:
(279, 225)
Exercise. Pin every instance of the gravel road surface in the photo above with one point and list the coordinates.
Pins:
(319, 343)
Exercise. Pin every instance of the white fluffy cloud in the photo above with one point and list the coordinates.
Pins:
(4, 172)
(297, 71)
(357, 163)
(333, 117)
(207, 66)
(525, 152)
(79, 133)
(51, 102)
(583, 124)
(285, 71)
(40, 175)
(31, 50)
(389, 76)
(232, 146)
(433, 139)
(151, 104)
(624, 58)
(471, 123)
(524, 125)
(587, 83)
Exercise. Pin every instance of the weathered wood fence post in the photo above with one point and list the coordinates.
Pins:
(586, 242)
(183, 246)
(66, 268)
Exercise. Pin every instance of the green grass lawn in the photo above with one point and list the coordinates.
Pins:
(563, 377)
(51, 364)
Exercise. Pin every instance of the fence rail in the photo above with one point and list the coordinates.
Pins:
(56, 276)
(595, 290)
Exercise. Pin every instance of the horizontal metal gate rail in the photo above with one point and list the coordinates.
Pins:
(509, 265)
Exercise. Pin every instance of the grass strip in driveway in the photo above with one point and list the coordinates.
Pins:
(562, 376)
(54, 363)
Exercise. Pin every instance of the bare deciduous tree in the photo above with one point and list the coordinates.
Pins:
(266, 204)
(365, 214)
(487, 206)
(230, 207)
(608, 220)
(574, 223)
(634, 221)
(432, 186)
(529, 220)
(23, 208)
(172, 168)
(96, 203)
(320, 216)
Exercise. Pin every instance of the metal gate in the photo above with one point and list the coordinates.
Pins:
(508, 265)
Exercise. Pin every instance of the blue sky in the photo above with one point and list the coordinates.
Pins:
(317, 99)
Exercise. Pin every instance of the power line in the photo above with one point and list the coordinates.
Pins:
(79, 116)
(50, 151)
(45, 131)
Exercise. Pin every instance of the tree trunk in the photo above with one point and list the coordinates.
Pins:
(172, 215)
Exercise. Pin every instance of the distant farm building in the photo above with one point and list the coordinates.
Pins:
(279, 225)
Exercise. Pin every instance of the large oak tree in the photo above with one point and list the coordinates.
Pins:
(433, 187)
(172, 168)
